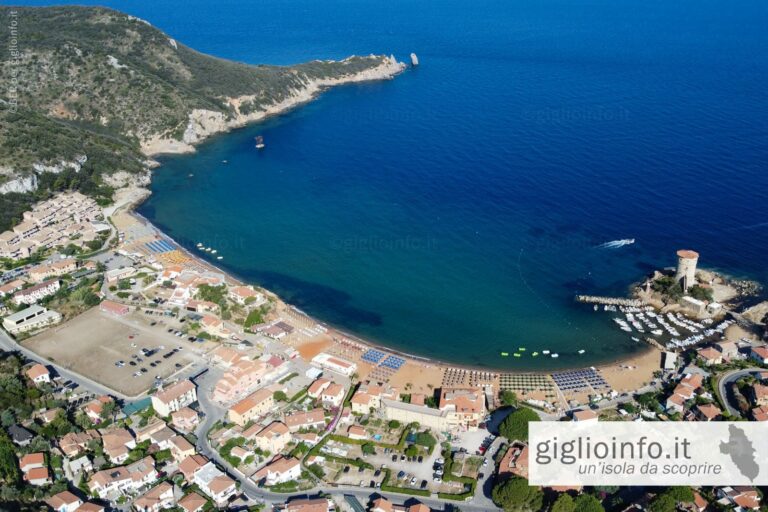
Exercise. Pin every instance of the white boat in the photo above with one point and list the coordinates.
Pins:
(545, 352)
(220, 257)
(582, 351)
(208, 249)
(214, 251)
(259, 142)
(555, 356)
(199, 244)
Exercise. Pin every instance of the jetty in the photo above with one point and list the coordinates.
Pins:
(609, 301)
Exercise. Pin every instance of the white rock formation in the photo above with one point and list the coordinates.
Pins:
(22, 184)
(204, 123)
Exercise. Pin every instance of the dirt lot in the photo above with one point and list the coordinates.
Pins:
(93, 342)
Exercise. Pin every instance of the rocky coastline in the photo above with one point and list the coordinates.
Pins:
(205, 123)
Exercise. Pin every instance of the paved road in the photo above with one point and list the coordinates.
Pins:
(726, 380)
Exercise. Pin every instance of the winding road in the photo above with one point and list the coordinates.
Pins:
(726, 380)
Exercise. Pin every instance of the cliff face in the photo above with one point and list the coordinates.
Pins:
(204, 123)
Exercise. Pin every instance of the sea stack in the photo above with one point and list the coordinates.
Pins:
(414, 60)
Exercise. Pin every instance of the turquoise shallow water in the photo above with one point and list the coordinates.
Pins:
(455, 211)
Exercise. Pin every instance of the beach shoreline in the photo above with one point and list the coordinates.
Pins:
(339, 335)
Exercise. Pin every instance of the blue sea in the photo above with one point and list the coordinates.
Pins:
(455, 211)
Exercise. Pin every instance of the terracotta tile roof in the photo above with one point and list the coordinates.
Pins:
(192, 502)
(174, 391)
(36, 371)
(305, 418)
(32, 459)
(62, 499)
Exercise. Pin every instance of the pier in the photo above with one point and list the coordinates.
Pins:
(609, 301)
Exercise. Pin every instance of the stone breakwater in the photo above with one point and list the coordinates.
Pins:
(204, 123)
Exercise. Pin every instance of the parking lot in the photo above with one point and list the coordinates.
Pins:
(125, 354)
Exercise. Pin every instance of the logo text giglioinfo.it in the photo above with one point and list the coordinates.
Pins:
(648, 453)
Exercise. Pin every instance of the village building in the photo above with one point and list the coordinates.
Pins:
(465, 407)
(368, 397)
(74, 443)
(157, 498)
(185, 419)
(240, 379)
(64, 501)
(309, 505)
(279, 470)
(174, 397)
(684, 391)
(211, 481)
(246, 296)
(314, 419)
(36, 293)
(333, 396)
(707, 412)
(40, 273)
(181, 448)
(586, 415)
(406, 413)
(515, 461)
(121, 480)
(710, 356)
(30, 319)
(95, 408)
(32, 461)
(215, 326)
(317, 387)
(11, 287)
(39, 374)
(273, 438)
(117, 444)
(357, 432)
(251, 407)
(114, 308)
(192, 502)
(760, 354)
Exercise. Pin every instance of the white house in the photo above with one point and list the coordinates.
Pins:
(174, 397)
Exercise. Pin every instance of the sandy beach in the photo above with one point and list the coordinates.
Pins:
(416, 375)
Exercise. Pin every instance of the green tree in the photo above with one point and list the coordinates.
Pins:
(9, 467)
(368, 449)
(508, 397)
(588, 503)
(411, 451)
(680, 494)
(280, 396)
(663, 503)
(163, 456)
(564, 503)
(515, 495)
(515, 426)
(393, 424)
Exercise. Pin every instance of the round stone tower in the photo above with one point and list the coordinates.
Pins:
(686, 268)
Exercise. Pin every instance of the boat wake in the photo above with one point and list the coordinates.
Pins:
(615, 244)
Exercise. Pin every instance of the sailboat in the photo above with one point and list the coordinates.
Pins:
(259, 142)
